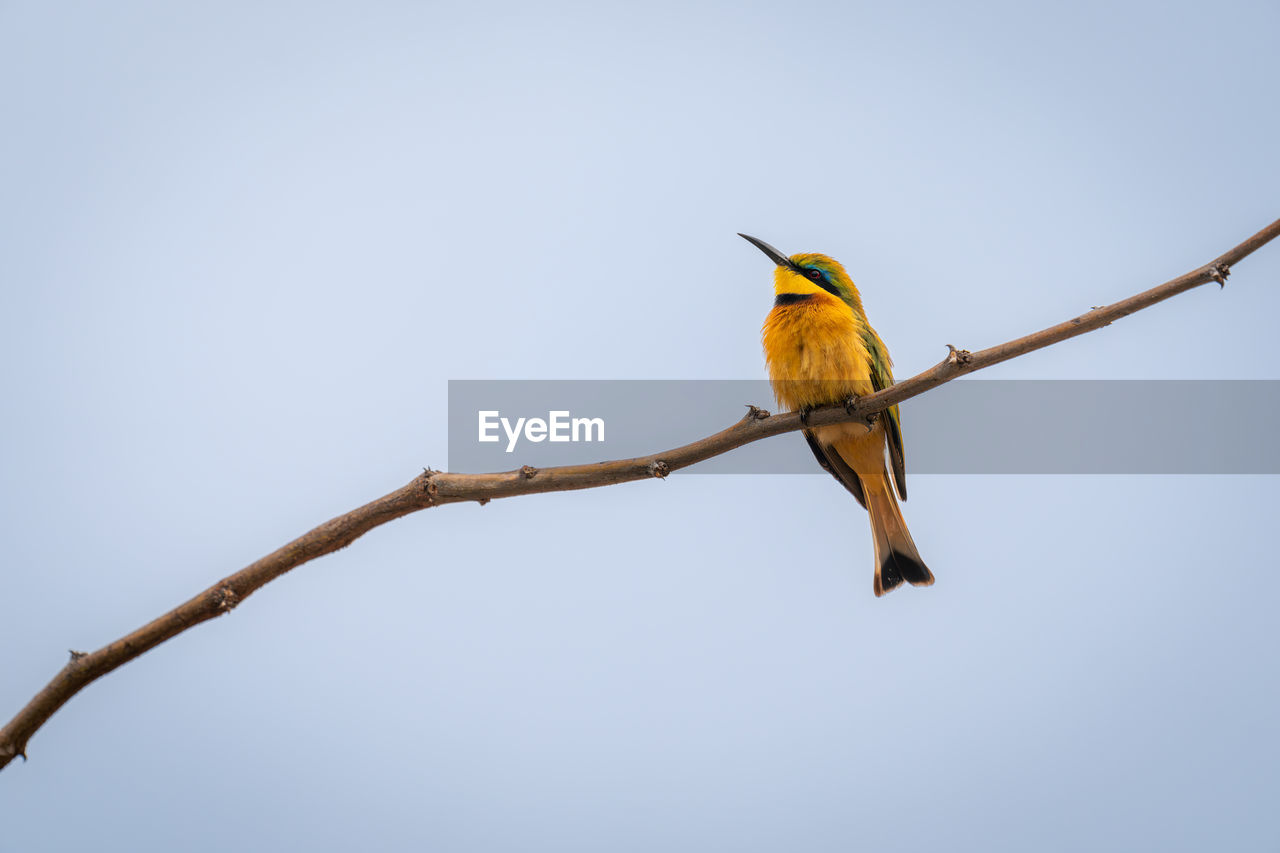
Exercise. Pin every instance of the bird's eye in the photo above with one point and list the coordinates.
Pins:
(816, 275)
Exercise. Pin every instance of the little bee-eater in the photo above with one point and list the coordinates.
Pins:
(821, 350)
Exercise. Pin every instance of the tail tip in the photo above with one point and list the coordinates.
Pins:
(898, 567)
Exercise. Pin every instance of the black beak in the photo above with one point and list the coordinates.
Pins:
(774, 255)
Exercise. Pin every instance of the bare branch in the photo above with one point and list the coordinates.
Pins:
(433, 488)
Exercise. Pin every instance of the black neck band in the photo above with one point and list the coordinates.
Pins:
(791, 298)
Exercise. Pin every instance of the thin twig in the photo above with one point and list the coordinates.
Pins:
(433, 488)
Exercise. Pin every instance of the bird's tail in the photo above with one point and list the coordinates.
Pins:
(897, 559)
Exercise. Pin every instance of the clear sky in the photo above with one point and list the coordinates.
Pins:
(243, 247)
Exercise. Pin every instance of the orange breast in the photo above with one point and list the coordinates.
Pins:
(815, 353)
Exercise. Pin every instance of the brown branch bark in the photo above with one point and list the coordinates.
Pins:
(433, 488)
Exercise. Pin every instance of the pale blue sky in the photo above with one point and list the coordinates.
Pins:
(246, 245)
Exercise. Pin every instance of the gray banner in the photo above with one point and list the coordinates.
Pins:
(964, 427)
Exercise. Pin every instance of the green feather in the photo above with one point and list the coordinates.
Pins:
(881, 378)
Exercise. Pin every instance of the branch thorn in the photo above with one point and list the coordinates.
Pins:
(75, 655)
(1219, 272)
(756, 413)
(528, 472)
(659, 469)
(227, 599)
(957, 356)
(430, 486)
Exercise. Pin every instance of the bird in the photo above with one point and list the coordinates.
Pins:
(820, 350)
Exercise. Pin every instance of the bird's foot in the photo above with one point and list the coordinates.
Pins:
(805, 411)
(850, 402)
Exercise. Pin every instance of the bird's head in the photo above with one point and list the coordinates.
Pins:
(809, 274)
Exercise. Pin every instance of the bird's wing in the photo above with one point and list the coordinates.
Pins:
(881, 378)
(836, 467)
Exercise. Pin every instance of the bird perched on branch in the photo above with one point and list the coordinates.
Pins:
(821, 351)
